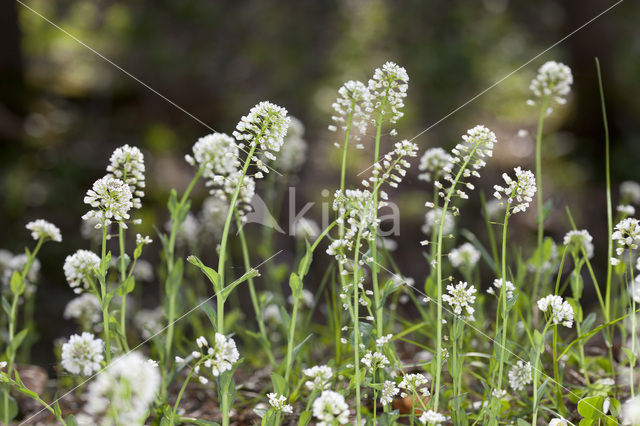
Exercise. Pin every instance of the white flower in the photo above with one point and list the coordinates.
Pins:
(149, 321)
(353, 100)
(497, 283)
(264, 127)
(389, 390)
(432, 418)
(127, 164)
(634, 289)
(412, 383)
(554, 80)
(41, 229)
(111, 199)
(320, 376)
(123, 392)
(381, 341)
(520, 375)
(434, 163)
(432, 220)
(82, 354)
(10, 264)
(304, 228)
(189, 232)
(85, 309)
(216, 154)
(558, 310)
(498, 393)
(271, 314)
(558, 422)
(388, 88)
(223, 354)
(519, 191)
(294, 150)
(80, 268)
(213, 215)
(143, 240)
(374, 360)
(626, 209)
(330, 407)
(464, 256)
(627, 234)
(143, 270)
(630, 191)
(3, 365)
(224, 187)
(578, 241)
(631, 411)
(279, 403)
(460, 297)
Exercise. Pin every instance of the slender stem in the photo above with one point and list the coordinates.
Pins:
(123, 276)
(503, 297)
(374, 246)
(634, 332)
(292, 333)
(356, 328)
(105, 307)
(252, 291)
(182, 389)
(536, 376)
(556, 370)
(223, 243)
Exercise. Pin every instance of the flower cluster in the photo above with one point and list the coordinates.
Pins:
(215, 154)
(393, 165)
(43, 230)
(434, 163)
(630, 192)
(467, 255)
(432, 221)
(125, 389)
(388, 88)
(111, 200)
(127, 164)
(279, 403)
(558, 310)
(519, 190)
(460, 297)
(294, 150)
(579, 241)
(627, 234)
(509, 289)
(219, 357)
(431, 417)
(80, 268)
(353, 101)
(412, 384)
(82, 354)
(389, 390)
(223, 188)
(85, 309)
(264, 127)
(374, 360)
(554, 80)
(319, 376)
(330, 408)
(520, 375)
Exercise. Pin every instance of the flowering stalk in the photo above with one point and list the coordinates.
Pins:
(103, 302)
(538, 347)
(634, 332)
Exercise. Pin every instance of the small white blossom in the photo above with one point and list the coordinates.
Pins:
(431, 417)
(460, 297)
(411, 383)
(432, 220)
(520, 375)
(353, 100)
(320, 376)
(216, 154)
(41, 229)
(558, 422)
(388, 88)
(374, 360)
(497, 283)
(279, 403)
(519, 191)
(389, 390)
(626, 209)
(627, 234)
(434, 163)
(85, 309)
(578, 241)
(554, 80)
(223, 354)
(329, 408)
(558, 310)
(381, 341)
(464, 256)
(294, 149)
(82, 354)
(143, 240)
(80, 268)
(111, 200)
(127, 164)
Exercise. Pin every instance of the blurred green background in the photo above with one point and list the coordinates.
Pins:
(63, 109)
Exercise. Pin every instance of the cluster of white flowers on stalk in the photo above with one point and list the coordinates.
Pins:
(627, 234)
(225, 186)
(432, 221)
(393, 165)
(10, 264)
(216, 154)
(383, 340)
(80, 268)
(124, 389)
(630, 192)
(43, 230)
(388, 88)
(213, 214)
(553, 81)
(82, 354)
(389, 390)
(559, 311)
(353, 101)
(294, 150)
(219, 357)
(519, 190)
(111, 200)
(413, 384)
(320, 376)
(626, 209)
(279, 403)
(149, 321)
(85, 309)
(520, 375)
(469, 157)
(264, 127)
(374, 360)
(330, 408)
(435, 162)
(431, 417)
(497, 283)
(467, 255)
(460, 297)
(579, 240)
(127, 164)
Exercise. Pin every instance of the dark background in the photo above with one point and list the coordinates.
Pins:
(63, 109)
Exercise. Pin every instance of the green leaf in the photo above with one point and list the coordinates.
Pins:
(305, 262)
(12, 412)
(279, 384)
(252, 273)
(17, 284)
(586, 422)
(591, 406)
(175, 279)
(296, 285)
(305, 418)
(128, 286)
(294, 353)
(6, 306)
(522, 422)
(209, 272)
(17, 340)
(70, 420)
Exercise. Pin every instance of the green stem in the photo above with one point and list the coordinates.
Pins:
(536, 376)
(374, 245)
(182, 389)
(123, 276)
(634, 332)
(292, 333)
(105, 307)
(503, 297)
